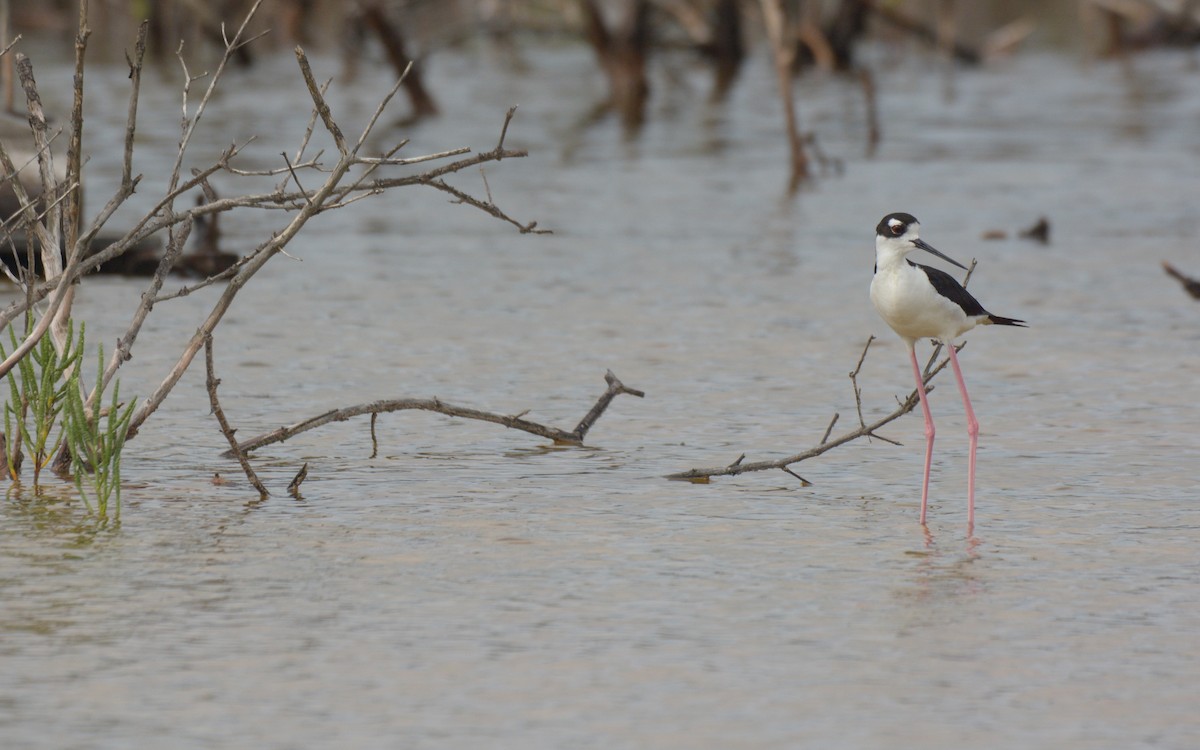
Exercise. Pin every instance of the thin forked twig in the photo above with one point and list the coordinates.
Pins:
(854, 380)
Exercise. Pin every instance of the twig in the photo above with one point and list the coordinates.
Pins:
(314, 91)
(49, 239)
(829, 429)
(10, 45)
(226, 430)
(294, 486)
(190, 124)
(530, 228)
(73, 210)
(559, 436)
(383, 103)
(504, 128)
(295, 177)
(135, 75)
(416, 159)
(854, 381)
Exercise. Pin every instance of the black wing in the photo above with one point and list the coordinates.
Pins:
(946, 286)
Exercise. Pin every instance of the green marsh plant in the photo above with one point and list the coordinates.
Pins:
(95, 439)
(38, 389)
(48, 407)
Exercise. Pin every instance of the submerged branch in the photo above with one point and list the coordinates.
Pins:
(212, 382)
(826, 444)
(516, 422)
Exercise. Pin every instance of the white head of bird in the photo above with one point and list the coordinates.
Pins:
(897, 235)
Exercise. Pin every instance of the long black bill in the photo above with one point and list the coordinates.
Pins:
(929, 249)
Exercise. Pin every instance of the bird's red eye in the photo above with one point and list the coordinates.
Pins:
(897, 229)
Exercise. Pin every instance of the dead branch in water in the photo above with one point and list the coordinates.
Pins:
(826, 444)
(784, 56)
(516, 422)
(622, 52)
(374, 18)
(212, 382)
(1190, 285)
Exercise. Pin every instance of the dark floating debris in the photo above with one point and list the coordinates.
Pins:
(1039, 232)
(1190, 285)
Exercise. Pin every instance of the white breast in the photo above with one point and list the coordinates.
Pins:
(909, 304)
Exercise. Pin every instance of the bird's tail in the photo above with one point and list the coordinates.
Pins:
(1002, 321)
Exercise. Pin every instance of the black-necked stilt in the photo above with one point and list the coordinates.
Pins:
(920, 302)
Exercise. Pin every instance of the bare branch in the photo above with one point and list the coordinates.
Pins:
(212, 383)
(783, 53)
(74, 194)
(362, 138)
(854, 380)
(189, 125)
(10, 45)
(703, 475)
(829, 429)
(48, 232)
(295, 177)
(490, 208)
(319, 100)
(135, 76)
(559, 436)
(416, 159)
(504, 128)
(294, 486)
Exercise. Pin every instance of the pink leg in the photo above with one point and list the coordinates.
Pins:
(972, 432)
(929, 430)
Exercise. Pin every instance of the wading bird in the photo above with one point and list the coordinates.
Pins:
(920, 302)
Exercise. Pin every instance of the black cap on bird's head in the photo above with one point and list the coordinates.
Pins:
(895, 225)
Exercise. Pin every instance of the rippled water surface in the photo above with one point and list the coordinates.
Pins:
(471, 588)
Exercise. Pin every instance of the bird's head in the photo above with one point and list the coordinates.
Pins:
(899, 234)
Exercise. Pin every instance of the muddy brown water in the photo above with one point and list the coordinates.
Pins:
(470, 588)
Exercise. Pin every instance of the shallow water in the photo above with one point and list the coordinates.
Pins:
(469, 588)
